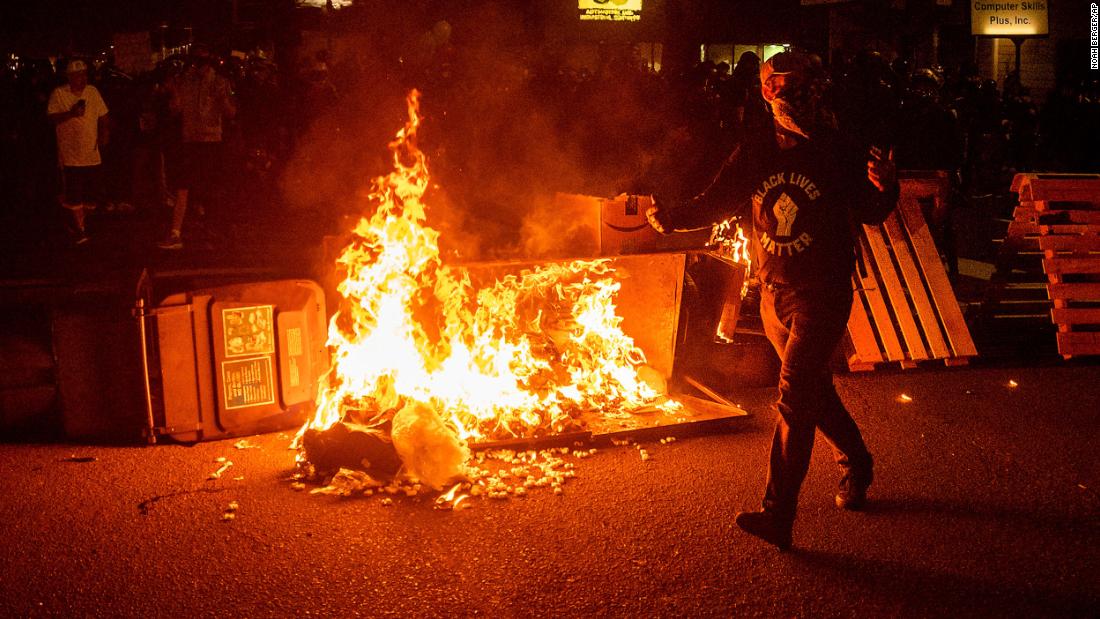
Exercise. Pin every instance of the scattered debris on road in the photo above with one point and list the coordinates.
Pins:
(230, 512)
(498, 474)
(347, 482)
(224, 467)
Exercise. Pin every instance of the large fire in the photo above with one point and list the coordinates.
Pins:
(525, 355)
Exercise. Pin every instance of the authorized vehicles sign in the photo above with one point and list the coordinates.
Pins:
(610, 10)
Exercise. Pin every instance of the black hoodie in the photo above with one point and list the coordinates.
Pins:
(805, 201)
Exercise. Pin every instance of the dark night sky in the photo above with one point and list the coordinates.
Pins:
(41, 26)
(85, 25)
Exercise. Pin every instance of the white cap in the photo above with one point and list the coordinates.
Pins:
(76, 66)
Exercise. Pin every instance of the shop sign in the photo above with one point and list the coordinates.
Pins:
(610, 10)
(1003, 18)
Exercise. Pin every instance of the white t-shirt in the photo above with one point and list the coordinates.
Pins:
(77, 137)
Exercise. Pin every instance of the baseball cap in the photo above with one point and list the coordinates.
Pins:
(786, 63)
(76, 66)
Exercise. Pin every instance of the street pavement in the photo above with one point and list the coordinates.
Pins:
(985, 501)
(985, 504)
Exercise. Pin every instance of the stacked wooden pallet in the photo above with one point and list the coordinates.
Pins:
(1016, 298)
(1067, 219)
(904, 308)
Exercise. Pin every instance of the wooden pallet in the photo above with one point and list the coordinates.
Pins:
(1016, 298)
(1067, 218)
(904, 308)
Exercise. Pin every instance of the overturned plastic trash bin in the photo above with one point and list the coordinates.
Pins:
(232, 360)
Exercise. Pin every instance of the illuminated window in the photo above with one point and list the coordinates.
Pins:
(731, 53)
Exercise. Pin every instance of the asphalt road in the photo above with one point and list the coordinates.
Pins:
(985, 504)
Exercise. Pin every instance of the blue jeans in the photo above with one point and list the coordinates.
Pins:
(805, 326)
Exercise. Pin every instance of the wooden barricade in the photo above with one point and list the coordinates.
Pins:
(1016, 298)
(1067, 220)
(904, 308)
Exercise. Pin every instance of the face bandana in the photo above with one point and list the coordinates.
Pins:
(796, 111)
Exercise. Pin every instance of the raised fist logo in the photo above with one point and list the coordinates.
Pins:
(785, 211)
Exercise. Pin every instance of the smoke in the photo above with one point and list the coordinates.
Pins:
(561, 226)
(506, 129)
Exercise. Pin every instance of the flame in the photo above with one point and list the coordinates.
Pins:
(523, 356)
(451, 499)
(729, 240)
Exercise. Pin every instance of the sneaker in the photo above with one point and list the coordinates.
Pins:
(766, 526)
(172, 241)
(853, 493)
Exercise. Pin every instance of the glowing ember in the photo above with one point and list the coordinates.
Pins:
(524, 356)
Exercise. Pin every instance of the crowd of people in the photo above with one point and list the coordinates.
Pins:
(163, 143)
(177, 133)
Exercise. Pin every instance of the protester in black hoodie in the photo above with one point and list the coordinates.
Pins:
(808, 188)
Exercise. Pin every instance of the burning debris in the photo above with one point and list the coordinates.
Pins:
(494, 474)
(728, 239)
(347, 482)
(424, 361)
(429, 450)
(452, 499)
(351, 445)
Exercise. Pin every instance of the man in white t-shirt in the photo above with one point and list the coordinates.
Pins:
(79, 116)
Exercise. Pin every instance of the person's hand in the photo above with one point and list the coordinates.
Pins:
(657, 219)
(881, 170)
(78, 108)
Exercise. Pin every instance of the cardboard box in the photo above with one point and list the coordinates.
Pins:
(624, 230)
